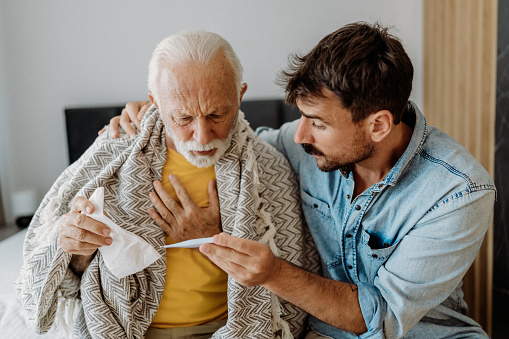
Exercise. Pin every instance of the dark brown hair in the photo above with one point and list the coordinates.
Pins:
(365, 66)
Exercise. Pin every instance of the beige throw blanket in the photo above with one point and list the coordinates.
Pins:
(259, 200)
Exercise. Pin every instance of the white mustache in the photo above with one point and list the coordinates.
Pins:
(193, 145)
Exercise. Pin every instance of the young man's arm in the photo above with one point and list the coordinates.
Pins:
(252, 263)
(424, 270)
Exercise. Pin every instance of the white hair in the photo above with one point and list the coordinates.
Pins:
(197, 46)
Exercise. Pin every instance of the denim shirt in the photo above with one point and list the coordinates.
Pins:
(407, 241)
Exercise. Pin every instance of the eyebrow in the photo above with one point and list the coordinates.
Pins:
(310, 116)
(220, 110)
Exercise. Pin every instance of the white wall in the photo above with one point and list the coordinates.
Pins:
(60, 53)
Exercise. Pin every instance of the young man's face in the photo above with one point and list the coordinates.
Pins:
(327, 132)
(199, 106)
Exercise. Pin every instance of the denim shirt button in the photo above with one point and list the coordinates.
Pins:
(374, 255)
(357, 207)
(348, 196)
(348, 235)
(386, 244)
(315, 205)
(380, 185)
(350, 267)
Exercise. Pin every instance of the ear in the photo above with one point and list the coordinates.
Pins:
(243, 89)
(380, 124)
(152, 100)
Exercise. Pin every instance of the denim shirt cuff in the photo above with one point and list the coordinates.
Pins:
(373, 308)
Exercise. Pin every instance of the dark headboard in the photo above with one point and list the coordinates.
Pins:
(83, 123)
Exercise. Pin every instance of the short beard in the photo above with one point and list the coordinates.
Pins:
(186, 148)
(365, 150)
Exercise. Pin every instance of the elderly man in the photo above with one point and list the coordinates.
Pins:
(194, 133)
(398, 210)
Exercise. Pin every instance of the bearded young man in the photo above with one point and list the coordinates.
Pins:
(193, 135)
(398, 210)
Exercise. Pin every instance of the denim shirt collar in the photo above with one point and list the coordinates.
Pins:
(420, 130)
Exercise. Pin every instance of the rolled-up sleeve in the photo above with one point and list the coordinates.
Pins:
(373, 308)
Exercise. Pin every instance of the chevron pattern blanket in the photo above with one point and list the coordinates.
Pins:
(259, 200)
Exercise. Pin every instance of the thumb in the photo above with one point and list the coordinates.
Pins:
(81, 204)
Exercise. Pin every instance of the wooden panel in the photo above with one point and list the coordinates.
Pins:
(460, 46)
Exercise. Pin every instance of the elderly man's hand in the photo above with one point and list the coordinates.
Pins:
(186, 220)
(249, 262)
(133, 112)
(82, 235)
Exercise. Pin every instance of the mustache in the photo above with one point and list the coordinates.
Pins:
(310, 149)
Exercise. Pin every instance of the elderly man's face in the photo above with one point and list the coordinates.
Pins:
(199, 105)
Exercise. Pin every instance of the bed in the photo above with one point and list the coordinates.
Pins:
(13, 323)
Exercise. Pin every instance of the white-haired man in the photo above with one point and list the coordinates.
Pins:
(192, 135)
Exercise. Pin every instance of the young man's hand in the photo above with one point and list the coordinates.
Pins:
(132, 113)
(249, 262)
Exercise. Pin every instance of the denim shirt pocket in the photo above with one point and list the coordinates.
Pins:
(373, 258)
(322, 227)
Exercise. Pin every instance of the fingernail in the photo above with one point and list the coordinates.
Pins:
(106, 231)
(108, 241)
(205, 248)
(88, 209)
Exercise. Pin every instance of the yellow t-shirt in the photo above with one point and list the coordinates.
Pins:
(195, 288)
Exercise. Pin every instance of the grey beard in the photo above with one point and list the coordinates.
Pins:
(185, 148)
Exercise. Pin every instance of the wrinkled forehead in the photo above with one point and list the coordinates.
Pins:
(192, 84)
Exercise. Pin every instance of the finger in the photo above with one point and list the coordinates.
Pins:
(213, 195)
(74, 246)
(165, 226)
(144, 109)
(132, 109)
(80, 204)
(166, 206)
(243, 246)
(114, 125)
(180, 190)
(74, 219)
(162, 194)
(125, 123)
(102, 131)
(230, 268)
(226, 257)
(83, 235)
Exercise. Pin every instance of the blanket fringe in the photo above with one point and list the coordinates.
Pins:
(67, 313)
(264, 220)
(50, 219)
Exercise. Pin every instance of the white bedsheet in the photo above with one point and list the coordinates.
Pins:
(12, 319)
(11, 259)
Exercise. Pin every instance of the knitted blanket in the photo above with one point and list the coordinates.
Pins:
(259, 200)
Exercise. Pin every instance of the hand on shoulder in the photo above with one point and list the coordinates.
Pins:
(132, 113)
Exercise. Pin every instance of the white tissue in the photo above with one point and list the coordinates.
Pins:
(128, 253)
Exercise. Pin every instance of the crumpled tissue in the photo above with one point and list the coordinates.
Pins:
(128, 253)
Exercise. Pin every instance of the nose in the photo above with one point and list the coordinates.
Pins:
(202, 133)
(302, 135)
